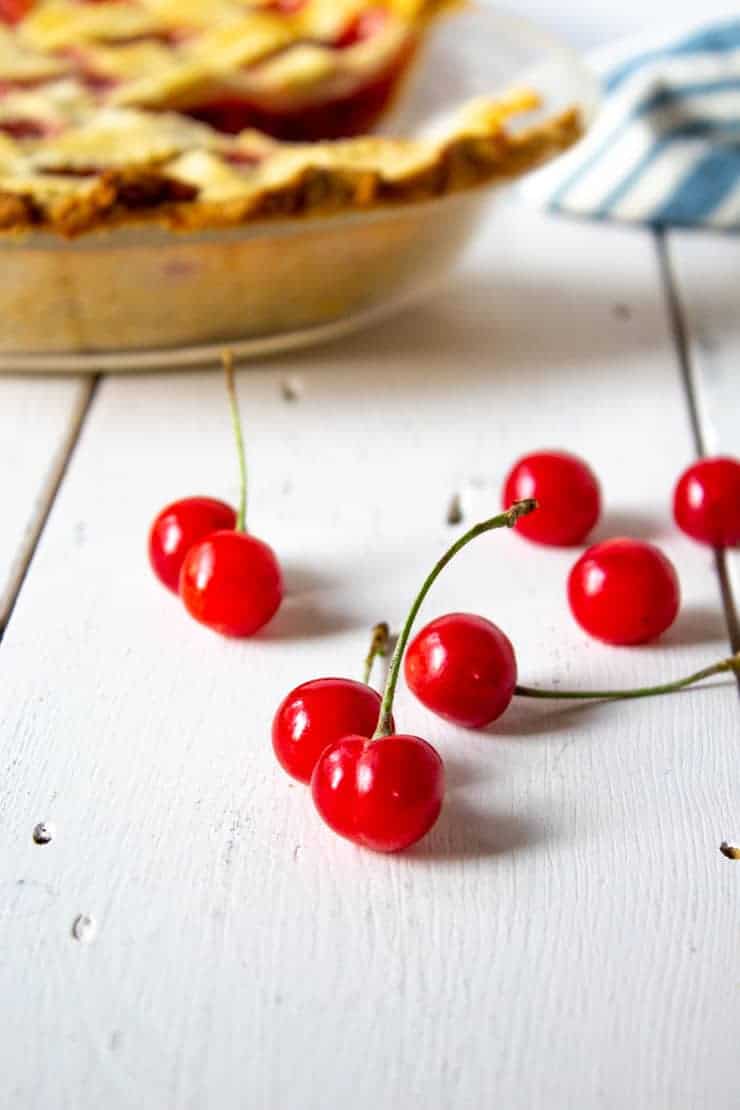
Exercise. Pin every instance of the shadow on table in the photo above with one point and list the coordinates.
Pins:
(542, 720)
(699, 624)
(304, 612)
(306, 618)
(638, 525)
(465, 830)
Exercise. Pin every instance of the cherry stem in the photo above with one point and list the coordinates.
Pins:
(241, 516)
(724, 665)
(503, 520)
(378, 647)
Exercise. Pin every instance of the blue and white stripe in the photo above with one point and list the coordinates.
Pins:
(665, 149)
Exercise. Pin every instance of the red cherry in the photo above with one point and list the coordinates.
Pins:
(566, 491)
(463, 668)
(382, 794)
(231, 582)
(706, 503)
(624, 591)
(319, 713)
(178, 527)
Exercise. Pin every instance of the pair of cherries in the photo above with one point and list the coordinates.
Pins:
(623, 591)
(200, 549)
(384, 791)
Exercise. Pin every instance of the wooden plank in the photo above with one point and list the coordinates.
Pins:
(705, 270)
(567, 935)
(39, 420)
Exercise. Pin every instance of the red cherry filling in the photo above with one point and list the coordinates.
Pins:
(341, 118)
(354, 113)
(363, 27)
(25, 128)
(13, 11)
(286, 7)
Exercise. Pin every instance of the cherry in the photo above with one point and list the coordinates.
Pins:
(230, 580)
(324, 710)
(178, 527)
(383, 794)
(386, 792)
(232, 583)
(566, 491)
(318, 713)
(624, 591)
(463, 668)
(706, 502)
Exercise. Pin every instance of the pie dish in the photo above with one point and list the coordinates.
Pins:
(232, 133)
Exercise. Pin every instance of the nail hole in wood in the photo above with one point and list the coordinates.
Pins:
(43, 833)
(291, 389)
(622, 311)
(84, 928)
(455, 511)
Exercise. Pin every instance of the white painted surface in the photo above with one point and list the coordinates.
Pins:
(38, 421)
(567, 936)
(600, 21)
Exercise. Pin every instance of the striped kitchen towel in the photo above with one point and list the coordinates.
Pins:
(665, 147)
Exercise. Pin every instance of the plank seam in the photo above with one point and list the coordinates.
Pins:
(51, 489)
(679, 326)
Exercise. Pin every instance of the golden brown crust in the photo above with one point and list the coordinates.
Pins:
(18, 213)
(104, 137)
(114, 193)
(296, 182)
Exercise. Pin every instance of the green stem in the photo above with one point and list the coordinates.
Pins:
(241, 516)
(503, 520)
(378, 647)
(731, 664)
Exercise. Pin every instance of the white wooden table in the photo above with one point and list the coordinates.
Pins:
(568, 934)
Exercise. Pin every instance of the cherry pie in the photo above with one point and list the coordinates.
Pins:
(212, 113)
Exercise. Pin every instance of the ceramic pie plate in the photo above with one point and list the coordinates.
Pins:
(149, 298)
